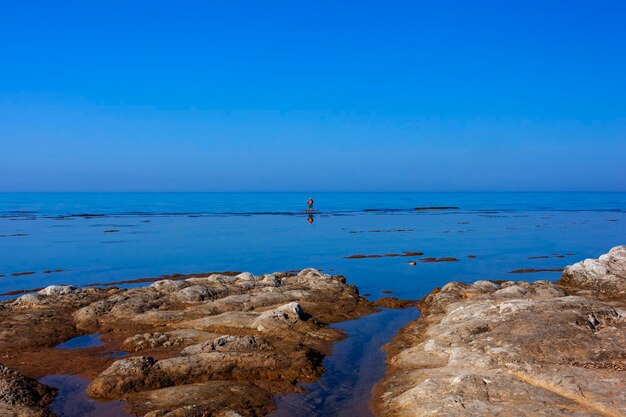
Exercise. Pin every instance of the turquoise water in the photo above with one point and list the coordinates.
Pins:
(84, 238)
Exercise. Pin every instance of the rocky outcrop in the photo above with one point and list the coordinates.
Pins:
(21, 396)
(515, 348)
(250, 337)
(605, 276)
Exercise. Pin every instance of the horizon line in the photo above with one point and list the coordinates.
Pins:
(319, 191)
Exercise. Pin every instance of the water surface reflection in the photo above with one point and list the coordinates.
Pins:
(352, 370)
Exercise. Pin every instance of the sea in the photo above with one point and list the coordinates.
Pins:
(102, 238)
(88, 238)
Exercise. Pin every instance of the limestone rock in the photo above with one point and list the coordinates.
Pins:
(246, 276)
(283, 315)
(21, 396)
(123, 376)
(202, 338)
(226, 279)
(168, 285)
(195, 293)
(30, 300)
(313, 273)
(59, 290)
(151, 340)
(514, 348)
(228, 343)
(606, 275)
(271, 279)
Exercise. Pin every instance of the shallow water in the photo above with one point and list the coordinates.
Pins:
(114, 354)
(97, 238)
(71, 400)
(352, 370)
(34, 205)
(82, 342)
(502, 230)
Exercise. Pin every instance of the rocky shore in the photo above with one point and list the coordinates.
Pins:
(218, 345)
(515, 348)
(21, 396)
(228, 344)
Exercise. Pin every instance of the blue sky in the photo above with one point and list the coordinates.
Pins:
(313, 96)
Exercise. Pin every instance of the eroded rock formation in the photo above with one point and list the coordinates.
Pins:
(207, 345)
(21, 396)
(604, 277)
(515, 348)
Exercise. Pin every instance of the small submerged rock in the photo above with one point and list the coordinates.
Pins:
(437, 208)
(19, 274)
(386, 255)
(534, 270)
(52, 271)
(393, 302)
(444, 259)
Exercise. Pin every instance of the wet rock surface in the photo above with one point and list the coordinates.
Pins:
(21, 396)
(206, 345)
(533, 270)
(515, 348)
(393, 302)
(444, 259)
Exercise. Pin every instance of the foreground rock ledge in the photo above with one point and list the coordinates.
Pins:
(21, 396)
(515, 348)
(213, 345)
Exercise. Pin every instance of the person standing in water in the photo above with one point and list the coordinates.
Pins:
(310, 203)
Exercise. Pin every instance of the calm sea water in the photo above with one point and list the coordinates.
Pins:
(96, 238)
(264, 232)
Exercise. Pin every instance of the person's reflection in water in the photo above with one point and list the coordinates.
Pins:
(310, 219)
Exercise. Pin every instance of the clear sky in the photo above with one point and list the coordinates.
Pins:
(313, 95)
